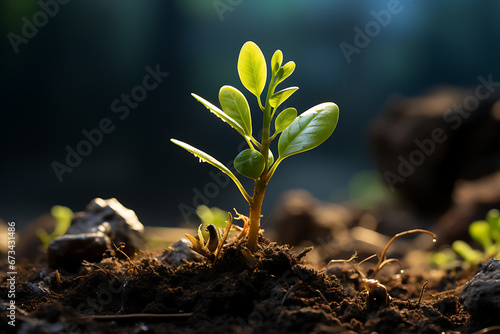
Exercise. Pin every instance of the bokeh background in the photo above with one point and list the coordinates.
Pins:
(64, 79)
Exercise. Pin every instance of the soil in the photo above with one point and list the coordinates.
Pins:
(280, 295)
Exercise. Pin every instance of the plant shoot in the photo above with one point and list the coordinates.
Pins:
(297, 133)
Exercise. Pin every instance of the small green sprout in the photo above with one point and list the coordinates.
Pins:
(298, 133)
(213, 245)
(484, 232)
(63, 216)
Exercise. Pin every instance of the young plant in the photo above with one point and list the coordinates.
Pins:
(216, 238)
(485, 232)
(298, 133)
(63, 216)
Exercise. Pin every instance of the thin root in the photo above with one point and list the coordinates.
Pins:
(136, 316)
(422, 292)
(292, 289)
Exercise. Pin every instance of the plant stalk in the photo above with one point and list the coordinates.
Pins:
(261, 183)
(255, 214)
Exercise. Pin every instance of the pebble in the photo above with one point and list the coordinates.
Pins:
(481, 295)
(93, 233)
(178, 252)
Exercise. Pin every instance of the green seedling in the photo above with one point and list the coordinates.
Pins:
(63, 216)
(216, 238)
(297, 133)
(487, 234)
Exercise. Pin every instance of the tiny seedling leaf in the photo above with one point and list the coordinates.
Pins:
(213, 215)
(235, 105)
(463, 249)
(276, 61)
(200, 235)
(480, 233)
(63, 215)
(194, 241)
(278, 98)
(285, 71)
(308, 130)
(252, 68)
(204, 157)
(284, 119)
(493, 219)
(270, 159)
(219, 113)
(250, 163)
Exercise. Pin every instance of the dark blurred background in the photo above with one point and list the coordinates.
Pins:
(86, 54)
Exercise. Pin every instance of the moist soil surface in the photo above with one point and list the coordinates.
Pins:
(280, 294)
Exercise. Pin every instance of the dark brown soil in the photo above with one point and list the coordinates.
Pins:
(282, 295)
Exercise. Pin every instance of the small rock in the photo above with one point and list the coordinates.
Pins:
(93, 233)
(68, 251)
(178, 252)
(481, 295)
(39, 288)
(111, 217)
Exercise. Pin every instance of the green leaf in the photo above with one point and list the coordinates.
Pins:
(493, 219)
(276, 61)
(443, 258)
(463, 249)
(308, 130)
(284, 119)
(285, 71)
(278, 98)
(63, 215)
(270, 159)
(235, 105)
(219, 113)
(250, 163)
(211, 216)
(252, 68)
(204, 157)
(480, 233)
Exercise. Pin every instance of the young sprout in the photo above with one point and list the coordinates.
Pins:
(484, 232)
(212, 247)
(211, 216)
(382, 261)
(377, 292)
(63, 216)
(298, 133)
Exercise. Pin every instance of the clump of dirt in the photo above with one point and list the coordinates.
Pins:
(281, 295)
